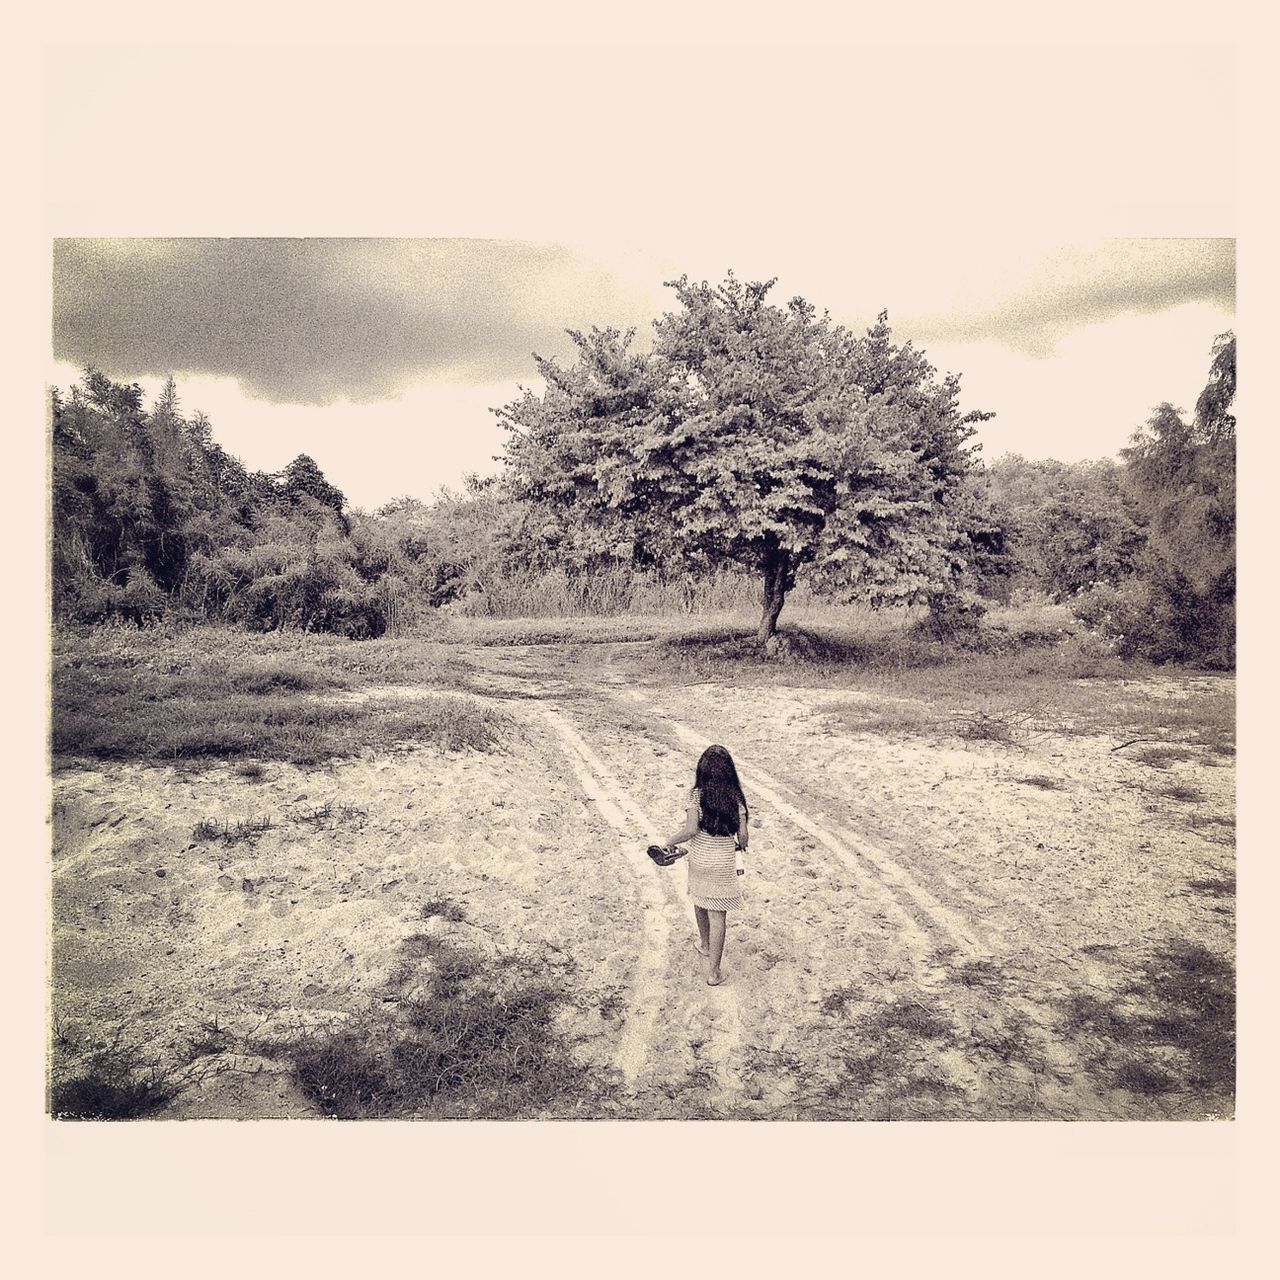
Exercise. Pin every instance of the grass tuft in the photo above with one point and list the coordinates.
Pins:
(445, 908)
(1215, 887)
(1158, 757)
(837, 1001)
(1183, 792)
(470, 1045)
(1142, 1077)
(246, 831)
(119, 1083)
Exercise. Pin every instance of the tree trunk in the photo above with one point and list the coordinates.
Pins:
(778, 579)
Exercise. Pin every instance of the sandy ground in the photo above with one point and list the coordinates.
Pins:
(918, 915)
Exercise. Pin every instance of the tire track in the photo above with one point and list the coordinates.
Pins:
(919, 911)
(901, 892)
(663, 938)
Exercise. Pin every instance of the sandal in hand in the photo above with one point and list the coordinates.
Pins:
(662, 856)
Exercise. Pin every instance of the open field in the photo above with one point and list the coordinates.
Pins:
(296, 876)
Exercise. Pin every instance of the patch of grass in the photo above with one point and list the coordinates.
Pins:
(866, 1069)
(1142, 1077)
(612, 1004)
(417, 946)
(445, 908)
(1188, 994)
(212, 1039)
(1086, 1013)
(245, 831)
(930, 1087)
(828, 644)
(837, 1001)
(516, 632)
(471, 1045)
(1041, 782)
(881, 1051)
(1158, 757)
(272, 727)
(207, 693)
(1198, 821)
(1012, 1042)
(326, 817)
(1181, 791)
(980, 972)
(97, 1097)
(885, 716)
(914, 1019)
(982, 726)
(1197, 991)
(119, 1082)
(251, 770)
(1215, 887)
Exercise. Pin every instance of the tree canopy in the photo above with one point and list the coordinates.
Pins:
(1183, 477)
(753, 435)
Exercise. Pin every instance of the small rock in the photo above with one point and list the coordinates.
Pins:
(161, 872)
(247, 885)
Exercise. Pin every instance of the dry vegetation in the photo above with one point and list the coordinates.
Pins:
(199, 694)
(368, 890)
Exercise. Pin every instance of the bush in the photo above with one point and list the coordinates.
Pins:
(1161, 621)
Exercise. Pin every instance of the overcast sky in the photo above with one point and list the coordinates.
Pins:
(974, 191)
(382, 358)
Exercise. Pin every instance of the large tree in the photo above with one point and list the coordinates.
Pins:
(754, 435)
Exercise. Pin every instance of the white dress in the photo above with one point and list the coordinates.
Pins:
(713, 873)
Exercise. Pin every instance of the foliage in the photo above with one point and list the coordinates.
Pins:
(150, 517)
(1182, 476)
(1068, 526)
(750, 435)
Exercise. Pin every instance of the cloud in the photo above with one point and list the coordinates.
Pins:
(1077, 287)
(314, 321)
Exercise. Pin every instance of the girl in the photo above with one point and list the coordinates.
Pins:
(715, 825)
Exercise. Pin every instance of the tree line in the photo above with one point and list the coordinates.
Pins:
(763, 439)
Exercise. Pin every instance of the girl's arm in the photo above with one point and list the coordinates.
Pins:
(690, 828)
(742, 829)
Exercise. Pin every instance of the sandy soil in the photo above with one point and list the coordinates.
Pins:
(919, 912)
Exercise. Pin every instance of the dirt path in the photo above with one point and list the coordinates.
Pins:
(659, 996)
(924, 935)
(887, 955)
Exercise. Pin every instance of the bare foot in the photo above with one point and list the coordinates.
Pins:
(704, 952)
(716, 979)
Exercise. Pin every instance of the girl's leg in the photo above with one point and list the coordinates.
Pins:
(704, 927)
(717, 922)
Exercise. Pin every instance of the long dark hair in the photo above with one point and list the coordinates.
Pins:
(719, 792)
